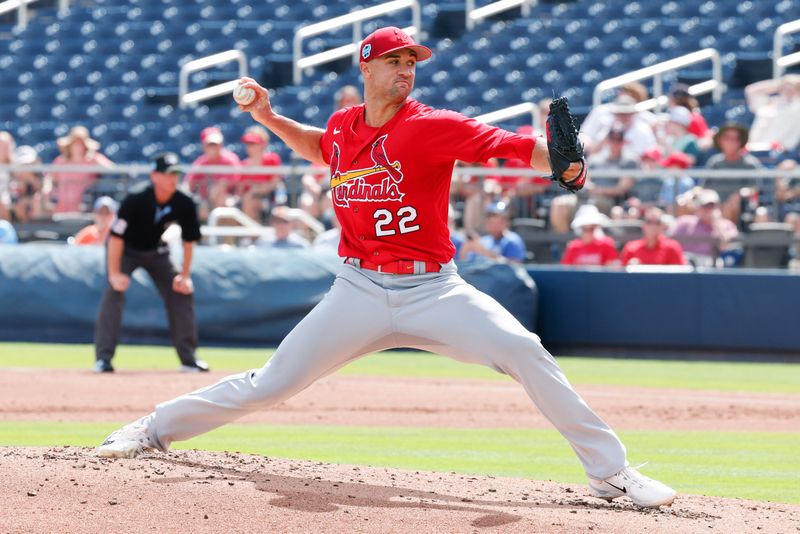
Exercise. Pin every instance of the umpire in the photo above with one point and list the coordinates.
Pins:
(135, 241)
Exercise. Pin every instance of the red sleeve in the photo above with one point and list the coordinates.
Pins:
(698, 125)
(456, 137)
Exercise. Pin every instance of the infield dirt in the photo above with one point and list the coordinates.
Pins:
(71, 490)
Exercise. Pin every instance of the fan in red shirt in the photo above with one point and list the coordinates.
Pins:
(592, 247)
(257, 191)
(654, 248)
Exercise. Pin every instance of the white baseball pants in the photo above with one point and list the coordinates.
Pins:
(366, 311)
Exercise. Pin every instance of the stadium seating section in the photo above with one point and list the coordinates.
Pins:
(113, 65)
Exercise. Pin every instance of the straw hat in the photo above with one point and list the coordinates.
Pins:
(77, 133)
(588, 215)
(741, 129)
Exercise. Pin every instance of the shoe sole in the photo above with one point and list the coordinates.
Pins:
(122, 452)
(609, 498)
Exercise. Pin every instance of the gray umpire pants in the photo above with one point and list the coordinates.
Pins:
(366, 311)
(180, 308)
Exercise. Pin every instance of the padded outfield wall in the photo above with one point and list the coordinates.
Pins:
(242, 296)
(254, 297)
(723, 313)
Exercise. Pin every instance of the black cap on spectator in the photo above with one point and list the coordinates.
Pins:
(166, 162)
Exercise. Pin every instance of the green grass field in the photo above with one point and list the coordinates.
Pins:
(757, 465)
(755, 377)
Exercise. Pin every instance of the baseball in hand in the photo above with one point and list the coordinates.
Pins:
(244, 96)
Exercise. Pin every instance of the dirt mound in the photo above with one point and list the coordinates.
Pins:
(70, 490)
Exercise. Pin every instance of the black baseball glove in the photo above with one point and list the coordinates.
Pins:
(563, 145)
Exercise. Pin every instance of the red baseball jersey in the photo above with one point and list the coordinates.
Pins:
(597, 252)
(666, 252)
(391, 185)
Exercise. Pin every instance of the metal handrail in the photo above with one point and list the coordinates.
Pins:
(714, 85)
(779, 61)
(247, 226)
(355, 19)
(186, 98)
(474, 15)
(526, 108)
(133, 170)
(22, 9)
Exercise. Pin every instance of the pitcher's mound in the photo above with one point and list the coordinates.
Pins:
(71, 490)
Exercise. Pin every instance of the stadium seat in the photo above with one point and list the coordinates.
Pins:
(564, 46)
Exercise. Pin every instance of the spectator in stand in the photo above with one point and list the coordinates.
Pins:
(28, 196)
(608, 192)
(8, 236)
(457, 237)
(706, 232)
(679, 96)
(347, 96)
(525, 195)
(605, 193)
(257, 191)
(775, 105)
(283, 237)
(213, 188)
(673, 186)
(645, 191)
(638, 126)
(600, 118)
(794, 249)
(77, 148)
(311, 198)
(654, 248)
(105, 211)
(731, 140)
(329, 239)
(787, 190)
(676, 137)
(476, 193)
(499, 243)
(7, 146)
(592, 246)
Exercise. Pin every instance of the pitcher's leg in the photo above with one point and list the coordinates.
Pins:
(350, 321)
(470, 326)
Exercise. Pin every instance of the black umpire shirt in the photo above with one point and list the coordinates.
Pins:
(141, 220)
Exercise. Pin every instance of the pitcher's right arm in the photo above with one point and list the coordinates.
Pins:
(301, 138)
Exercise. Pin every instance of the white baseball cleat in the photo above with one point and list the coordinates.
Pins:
(129, 441)
(629, 482)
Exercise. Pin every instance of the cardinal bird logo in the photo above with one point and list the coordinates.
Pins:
(352, 186)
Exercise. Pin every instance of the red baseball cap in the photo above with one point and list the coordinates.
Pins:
(385, 40)
(677, 160)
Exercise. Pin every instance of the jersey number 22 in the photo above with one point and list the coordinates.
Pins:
(383, 220)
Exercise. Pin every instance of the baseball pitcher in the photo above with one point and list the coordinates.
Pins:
(391, 160)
